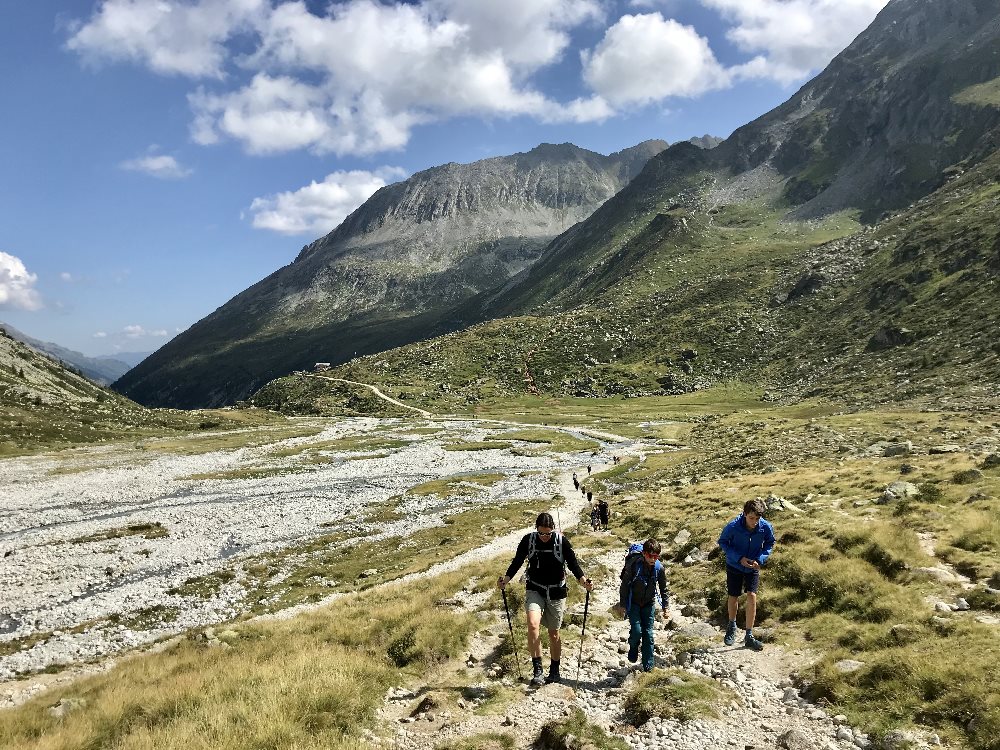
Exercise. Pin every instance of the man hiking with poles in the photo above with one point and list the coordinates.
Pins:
(548, 554)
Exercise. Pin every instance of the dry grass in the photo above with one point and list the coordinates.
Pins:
(312, 682)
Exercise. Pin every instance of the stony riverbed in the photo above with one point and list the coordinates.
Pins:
(70, 596)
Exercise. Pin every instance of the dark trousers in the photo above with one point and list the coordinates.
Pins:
(641, 620)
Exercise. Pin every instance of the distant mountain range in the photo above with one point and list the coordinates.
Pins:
(103, 370)
(390, 273)
(129, 358)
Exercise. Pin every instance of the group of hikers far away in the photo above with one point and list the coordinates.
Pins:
(600, 512)
(747, 542)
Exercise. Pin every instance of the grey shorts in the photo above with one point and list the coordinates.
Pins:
(552, 609)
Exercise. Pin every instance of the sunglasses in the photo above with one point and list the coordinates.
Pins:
(545, 533)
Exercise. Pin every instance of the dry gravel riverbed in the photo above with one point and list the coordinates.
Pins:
(66, 600)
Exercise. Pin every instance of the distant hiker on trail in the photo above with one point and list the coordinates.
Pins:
(548, 553)
(583, 490)
(644, 584)
(747, 542)
(588, 470)
(576, 482)
(604, 510)
(590, 496)
(595, 518)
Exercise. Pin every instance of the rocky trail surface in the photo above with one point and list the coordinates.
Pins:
(762, 707)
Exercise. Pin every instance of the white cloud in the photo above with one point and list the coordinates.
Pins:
(157, 165)
(356, 80)
(793, 38)
(100, 335)
(17, 285)
(170, 37)
(67, 277)
(138, 332)
(319, 207)
(646, 58)
(530, 33)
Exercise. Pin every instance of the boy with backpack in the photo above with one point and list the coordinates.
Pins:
(548, 553)
(643, 586)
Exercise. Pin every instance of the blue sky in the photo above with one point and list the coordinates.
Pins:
(160, 156)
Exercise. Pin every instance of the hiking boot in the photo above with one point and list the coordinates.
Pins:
(538, 679)
(633, 654)
(752, 643)
(730, 638)
(553, 673)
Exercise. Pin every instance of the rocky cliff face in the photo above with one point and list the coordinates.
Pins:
(388, 272)
(876, 129)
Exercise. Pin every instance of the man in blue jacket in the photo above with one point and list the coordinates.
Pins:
(747, 541)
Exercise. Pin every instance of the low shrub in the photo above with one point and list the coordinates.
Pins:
(672, 694)
(574, 733)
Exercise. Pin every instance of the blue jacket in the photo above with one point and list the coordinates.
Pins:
(737, 541)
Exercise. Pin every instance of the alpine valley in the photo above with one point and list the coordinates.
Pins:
(228, 549)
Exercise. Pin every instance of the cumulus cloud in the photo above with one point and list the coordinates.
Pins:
(793, 38)
(319, 207)
(67, 277)
(170, 37)
(355, 80)
(100, 335)
(646, 58)
(161, 166)
(17, 286)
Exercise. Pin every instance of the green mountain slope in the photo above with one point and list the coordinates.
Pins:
(388, 273)
(713, 266)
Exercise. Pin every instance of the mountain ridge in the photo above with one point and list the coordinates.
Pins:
(388, 272)
(102, 370)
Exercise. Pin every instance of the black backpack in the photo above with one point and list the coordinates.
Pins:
(635, 568)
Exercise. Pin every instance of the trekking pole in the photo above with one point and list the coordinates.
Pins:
(583, 632)
(513, 643)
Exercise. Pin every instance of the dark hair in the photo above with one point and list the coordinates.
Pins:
(651, 546)
(545, 519)
(755, 506)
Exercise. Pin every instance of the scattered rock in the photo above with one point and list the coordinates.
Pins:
(368, 573)
(65, 706)
(936, 450)
(940, 574)
(961, 605)
(903, 489)
(992, 461)
(898, 449)
(846, 666)
(795, 739)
